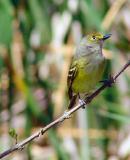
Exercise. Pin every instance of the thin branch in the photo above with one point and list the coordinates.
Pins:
(65, 115)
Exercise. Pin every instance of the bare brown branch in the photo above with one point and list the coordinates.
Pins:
(64, 116)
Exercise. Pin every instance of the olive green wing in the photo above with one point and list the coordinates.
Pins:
(71, 76)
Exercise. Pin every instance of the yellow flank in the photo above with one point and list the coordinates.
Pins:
(89, 73)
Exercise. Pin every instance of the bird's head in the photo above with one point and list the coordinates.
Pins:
(94, 42)
(91, 44)
(97, 38)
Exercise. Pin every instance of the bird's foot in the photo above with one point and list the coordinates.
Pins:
(82, 103)
(66, 115)
(108, 82)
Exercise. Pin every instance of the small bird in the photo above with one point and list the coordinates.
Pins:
(87, 67)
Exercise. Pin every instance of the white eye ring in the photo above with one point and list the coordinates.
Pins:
(93, 37)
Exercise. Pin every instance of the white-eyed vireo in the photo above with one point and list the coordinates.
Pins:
(87, 66)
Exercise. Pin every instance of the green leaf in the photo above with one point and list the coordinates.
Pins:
(6, 16)
(13, 134)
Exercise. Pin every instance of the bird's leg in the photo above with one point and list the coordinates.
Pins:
(108, 82)
(81, 102)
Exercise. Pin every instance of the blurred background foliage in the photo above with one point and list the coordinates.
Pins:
(37, 42)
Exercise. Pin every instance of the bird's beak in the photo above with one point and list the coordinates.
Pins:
(106, 36)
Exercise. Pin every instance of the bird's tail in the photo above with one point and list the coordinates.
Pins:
(72, 101)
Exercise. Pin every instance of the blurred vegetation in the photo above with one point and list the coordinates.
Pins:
(37, 41)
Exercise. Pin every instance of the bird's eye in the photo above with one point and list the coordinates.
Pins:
(93, 37)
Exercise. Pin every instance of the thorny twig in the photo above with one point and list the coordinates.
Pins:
(64, 116)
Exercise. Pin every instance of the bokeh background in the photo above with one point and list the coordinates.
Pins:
(37, 41)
